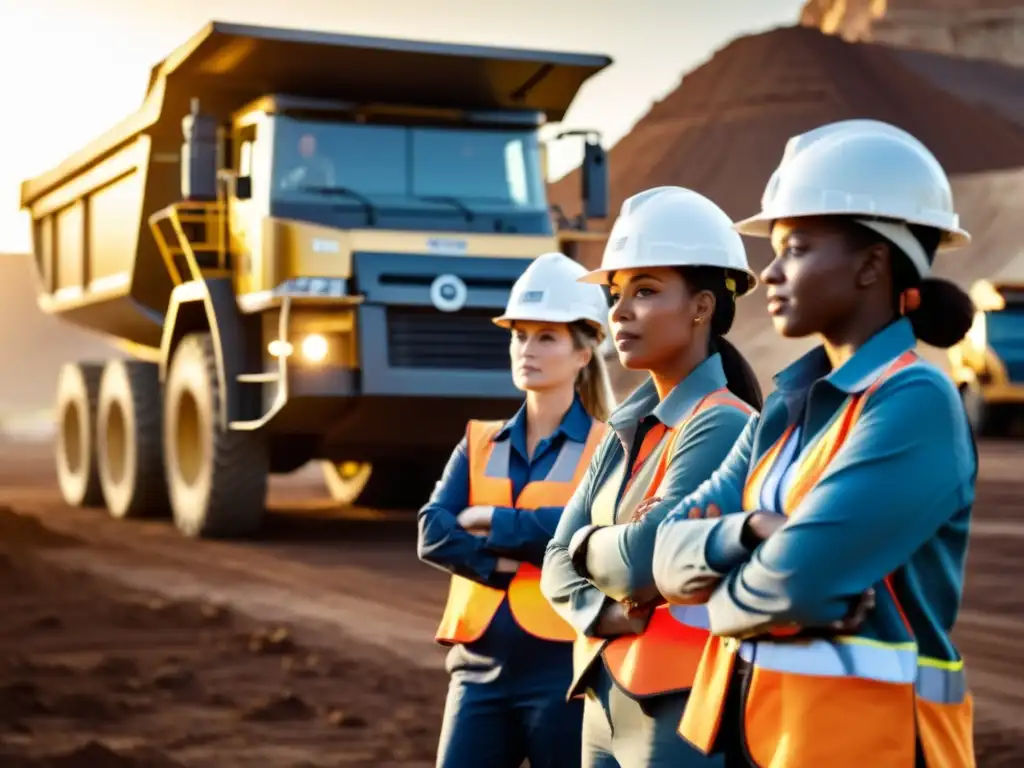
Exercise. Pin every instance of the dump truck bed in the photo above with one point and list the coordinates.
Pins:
(98, 264)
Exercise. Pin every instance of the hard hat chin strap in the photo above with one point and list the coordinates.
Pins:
(899, 234)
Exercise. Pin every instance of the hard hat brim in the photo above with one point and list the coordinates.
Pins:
(505, 320)
(602, 276)
(761, 226)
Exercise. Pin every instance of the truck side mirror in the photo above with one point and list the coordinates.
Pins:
(243, 187)
(595, 181)
(199, 156)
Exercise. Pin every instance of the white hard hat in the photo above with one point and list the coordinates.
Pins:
(549, 291)
(867, 170)
(673, 227)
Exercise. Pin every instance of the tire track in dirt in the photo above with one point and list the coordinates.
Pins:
(97, 674)
(377, 608)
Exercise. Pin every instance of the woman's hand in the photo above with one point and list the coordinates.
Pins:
(847, 625)
(712, 511)
(476, 519)
(643, 508)
(759, 527)
(864, 605)
(616, 620)
(695, 513)
(640, 608)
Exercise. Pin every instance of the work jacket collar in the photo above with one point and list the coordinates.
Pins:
(575, 426)
(856, 374)
(684, 397)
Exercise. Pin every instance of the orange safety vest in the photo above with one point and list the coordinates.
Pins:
(845, 702)
(471, 606)
(664, 657)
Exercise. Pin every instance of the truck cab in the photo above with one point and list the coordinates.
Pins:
(988, 364)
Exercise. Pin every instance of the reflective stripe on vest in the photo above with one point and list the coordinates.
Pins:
(665, 656)
(845, 702)
(471, 606)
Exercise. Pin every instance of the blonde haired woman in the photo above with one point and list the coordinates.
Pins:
(490, 518)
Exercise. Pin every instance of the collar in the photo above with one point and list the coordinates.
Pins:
(575, 424)
(856, 374)
(704, 379)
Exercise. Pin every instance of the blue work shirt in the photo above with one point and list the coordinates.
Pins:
(897, 497)
(619, 556)
(517, 534)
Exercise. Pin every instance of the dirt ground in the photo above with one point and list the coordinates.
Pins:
(98, 676)
(122, 644)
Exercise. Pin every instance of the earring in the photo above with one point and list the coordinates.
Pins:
(697, 320)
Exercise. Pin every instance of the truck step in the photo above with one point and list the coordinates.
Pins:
(266, 377)
(245, 426)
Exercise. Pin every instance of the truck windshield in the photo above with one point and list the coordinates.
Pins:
(460, 169)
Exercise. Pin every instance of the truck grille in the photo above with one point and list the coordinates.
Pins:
(421, 337)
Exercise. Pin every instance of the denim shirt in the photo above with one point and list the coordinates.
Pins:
(897, 496)
(619, 556)
(517, 534)
(505, 652)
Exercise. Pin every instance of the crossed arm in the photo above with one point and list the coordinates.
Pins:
(618, 557)
(484, 544)
(574, 598)
(907, 467)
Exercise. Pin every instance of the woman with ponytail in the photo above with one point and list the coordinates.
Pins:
(828, 550)
(674, 268)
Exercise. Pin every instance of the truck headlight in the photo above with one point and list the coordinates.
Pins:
(314, 348)
(278, 348)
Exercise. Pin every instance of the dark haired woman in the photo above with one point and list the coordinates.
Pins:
(833, 589)
(674, 267)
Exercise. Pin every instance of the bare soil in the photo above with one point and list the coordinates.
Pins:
(339, 668)
(96, 676)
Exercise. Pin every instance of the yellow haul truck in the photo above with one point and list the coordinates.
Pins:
(299, 239)
(988, 364)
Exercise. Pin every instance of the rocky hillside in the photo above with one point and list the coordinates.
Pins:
(988, 29)
(722, 132)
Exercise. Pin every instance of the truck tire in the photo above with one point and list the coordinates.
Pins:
(217, 479)
(130, 440)
(397, 485)
(78, 387)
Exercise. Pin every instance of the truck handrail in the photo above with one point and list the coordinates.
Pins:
(199, 231)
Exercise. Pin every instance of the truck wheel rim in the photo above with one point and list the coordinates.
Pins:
(116, 444)
(189, 445)
(72, 439)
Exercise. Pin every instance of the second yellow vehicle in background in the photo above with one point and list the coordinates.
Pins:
(988, 365)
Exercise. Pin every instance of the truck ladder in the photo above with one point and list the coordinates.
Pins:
(191, 239)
